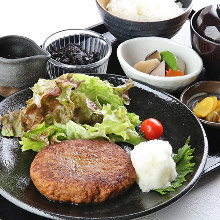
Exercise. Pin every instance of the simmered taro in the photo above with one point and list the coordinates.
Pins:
(73, 54)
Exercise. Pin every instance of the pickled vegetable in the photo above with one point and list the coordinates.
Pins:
(214, 116)
(218, 104)
(206, 106)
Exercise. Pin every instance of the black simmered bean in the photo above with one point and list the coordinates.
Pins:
(73, 54)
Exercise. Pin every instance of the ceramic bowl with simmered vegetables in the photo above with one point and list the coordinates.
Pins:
(203, 98)
(159, 62)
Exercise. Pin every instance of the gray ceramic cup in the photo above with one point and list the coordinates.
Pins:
(22, 63)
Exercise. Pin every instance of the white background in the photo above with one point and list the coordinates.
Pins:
(37, 19)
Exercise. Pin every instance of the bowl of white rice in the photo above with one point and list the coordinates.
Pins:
(127, 19)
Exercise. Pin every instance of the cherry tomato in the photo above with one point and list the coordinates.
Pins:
(152, 128)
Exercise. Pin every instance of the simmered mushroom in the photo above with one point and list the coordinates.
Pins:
(154, 55)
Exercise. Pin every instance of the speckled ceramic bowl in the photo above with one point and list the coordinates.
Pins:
(22, 63)
(124, 29)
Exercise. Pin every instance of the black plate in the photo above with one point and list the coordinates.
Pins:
(179, 123)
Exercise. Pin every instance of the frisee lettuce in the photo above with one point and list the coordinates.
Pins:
(183, 167)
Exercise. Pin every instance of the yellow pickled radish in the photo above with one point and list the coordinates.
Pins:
(218, 104)
(207, 105)
(215, 102)
(214, 116)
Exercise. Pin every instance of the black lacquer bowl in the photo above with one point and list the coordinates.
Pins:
(179, 123)
(208, 49)
(124, 29)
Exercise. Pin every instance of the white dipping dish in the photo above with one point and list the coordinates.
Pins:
(134, 50)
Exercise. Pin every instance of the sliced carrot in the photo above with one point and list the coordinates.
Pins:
(171, 73)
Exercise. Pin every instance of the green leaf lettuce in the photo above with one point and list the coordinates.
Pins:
(70, 97)
(116, 126)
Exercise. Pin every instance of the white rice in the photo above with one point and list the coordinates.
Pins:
(145, 10)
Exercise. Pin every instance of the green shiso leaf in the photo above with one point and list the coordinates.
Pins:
(184, 166)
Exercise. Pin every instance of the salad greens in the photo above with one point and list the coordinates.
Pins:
(183, 167)
(70, 107)
(116, 126)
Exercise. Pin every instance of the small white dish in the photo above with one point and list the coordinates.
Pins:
(132, 51)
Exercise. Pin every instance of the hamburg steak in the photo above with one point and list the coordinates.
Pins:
(82, 171)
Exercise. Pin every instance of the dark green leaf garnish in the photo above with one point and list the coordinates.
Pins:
(184, 166)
